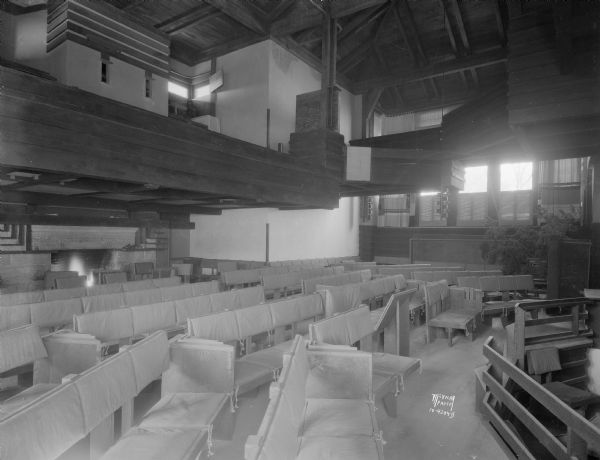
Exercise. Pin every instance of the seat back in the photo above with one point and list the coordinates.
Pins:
(20, 346)
(107, 326)
(468, 281)
(221, 326)
(55, 313)
(70, 282)
(61, 294)
(114, 277)
(342, 329)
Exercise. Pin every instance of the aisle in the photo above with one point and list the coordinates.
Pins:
(424, 431)
(417, 433)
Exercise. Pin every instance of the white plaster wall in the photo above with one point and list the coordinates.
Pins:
(288, 77)
(241, 234)
(81, 67)
(242, 100)
(235, 234)
(23, 38)
(315, 233)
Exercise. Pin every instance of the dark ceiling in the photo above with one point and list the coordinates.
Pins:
(424, 53)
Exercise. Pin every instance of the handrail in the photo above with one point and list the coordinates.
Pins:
(574, 421)
(573, 301)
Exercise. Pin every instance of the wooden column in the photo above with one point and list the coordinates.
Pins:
(329, 55)
(493, 190)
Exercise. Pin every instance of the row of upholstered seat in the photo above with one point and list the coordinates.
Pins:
(358, 325)
(408, 270)
(340, 298)
(58, 313)
(451, 276)
(128, 322)
(255, 275)
(255, 368)
(320, 405)
(309, 285)
(53, 421)
(19, 298)
(310, 263)
(498, 283)
(291, 282)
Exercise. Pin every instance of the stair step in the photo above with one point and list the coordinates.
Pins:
(563, 344)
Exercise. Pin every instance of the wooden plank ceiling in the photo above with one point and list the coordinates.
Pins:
(423, 53)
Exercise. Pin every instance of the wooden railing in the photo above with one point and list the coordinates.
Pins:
(503, 411)
(524, 340)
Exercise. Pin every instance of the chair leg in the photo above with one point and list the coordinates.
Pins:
(449, 330)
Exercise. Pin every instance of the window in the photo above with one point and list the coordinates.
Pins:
(431, 212)
(201, 91)
(148, 84)
(104, 68)
(475, 179)
(178, 90)
(516, 176)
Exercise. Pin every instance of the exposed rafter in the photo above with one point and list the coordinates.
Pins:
(403, 10)
(460, 24)
(241, 12)
(438, 69)
(280, 9)
(193, 16)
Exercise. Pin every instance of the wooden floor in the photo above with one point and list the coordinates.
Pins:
(417, 433)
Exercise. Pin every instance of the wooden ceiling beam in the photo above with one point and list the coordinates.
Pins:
(461, 25)
(348, 7)
(355, 57)
(438, 69)
(412, 29)
(227, 47)
(70, 201)
(30, 217)
(242, 13)
(309, 36)
(309, 58)
(44, 179)
(448, 27)
(280, 9)
(499, 21)
(361, 21)
(404, 35)
(304, 15)
(193, 16)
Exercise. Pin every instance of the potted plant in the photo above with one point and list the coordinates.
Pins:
(523, 249)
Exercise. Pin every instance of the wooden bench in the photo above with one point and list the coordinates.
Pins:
(120, 326)
(360, 326)
(285, 284)
(520, 431)
(450, 309)
(376, 292)
(257, 366)
(309, 286)
(567, 332)
(91, 403)
(320, 405)
(54, 314)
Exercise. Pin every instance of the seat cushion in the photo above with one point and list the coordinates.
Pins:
(338, 417)
(388, 364)
(268, 357)
(185, 410)
(338, 448)
(158, 443)
(456, 319)
(248, 376)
